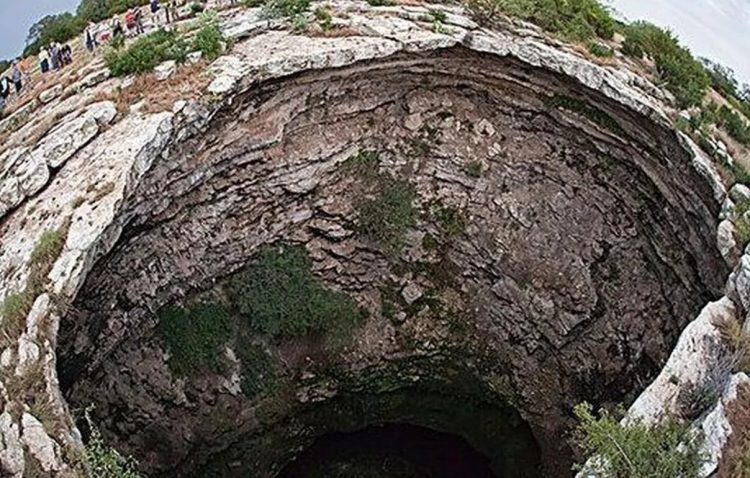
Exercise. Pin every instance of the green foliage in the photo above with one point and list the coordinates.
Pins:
(146, 53)
(52, 28)
(685, 77)
(474, 168)
(600, 50)
(285, 8)
(733, 124)
(386, 210)
(98, 10)
(258, 370)
(196, 8)
(665, 450)
(450, 219)
(577, 20)
(280, 297)
(209, 38)
(195, 336)
(102, 461)
(723, 78)
(587, 110)
(386, 218)
(438, 15)
(324, 18)
(381, 3)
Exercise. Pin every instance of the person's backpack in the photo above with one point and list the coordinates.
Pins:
(154, 6)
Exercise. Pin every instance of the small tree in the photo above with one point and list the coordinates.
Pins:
(667, 449)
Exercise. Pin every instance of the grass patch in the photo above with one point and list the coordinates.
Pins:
(592, 113)
(280, 297)
(666, 449)
(16, 306)
(195, 337)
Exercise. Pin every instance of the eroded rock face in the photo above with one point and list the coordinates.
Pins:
(576, 212)
(575, 232)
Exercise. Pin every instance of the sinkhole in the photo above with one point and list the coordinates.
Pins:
(418, 265)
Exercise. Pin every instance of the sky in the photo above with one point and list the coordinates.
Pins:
(16, 16)
(717, 29)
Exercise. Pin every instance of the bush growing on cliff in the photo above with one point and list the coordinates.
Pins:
(162, 45)
(280, 297)
(102, 461)
(572, 19)
(146, 53)
(666, 450)
(685, 76)
(195, 337)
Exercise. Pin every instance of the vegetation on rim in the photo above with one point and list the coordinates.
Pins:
(665, 449)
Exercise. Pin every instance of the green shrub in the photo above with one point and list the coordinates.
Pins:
(684, 76)
(196, 8)
(602, 51)
(280, 297)
(102, 461)
(578, 20)
(733, 124)
(209, 38)
(195, 337)
(381, 3)
(450, 219)
(258, 370)
(324, 18)
(474, 168)
(146, 53)
(386, 209)
(285, 8)
(665, 450)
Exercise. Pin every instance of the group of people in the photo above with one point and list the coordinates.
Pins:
(16, 79)
(55, 56)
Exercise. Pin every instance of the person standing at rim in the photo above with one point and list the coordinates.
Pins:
(4, 92)
(17, 76)
(90, 38)
(154, 4)
(44, 59)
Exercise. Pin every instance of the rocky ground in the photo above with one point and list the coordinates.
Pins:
(564, 242)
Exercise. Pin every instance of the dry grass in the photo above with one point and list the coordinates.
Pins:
(186, 84)
(735, 461)
(738, 340)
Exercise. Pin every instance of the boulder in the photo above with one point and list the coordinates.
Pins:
(22, 174)
(96, 77)
(739, 193)
(726, 242)
(50, 94)
(73, 132)
(165, 70)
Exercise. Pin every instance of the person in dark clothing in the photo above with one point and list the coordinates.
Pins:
(138, 21)
(4, 92)
(17, 77)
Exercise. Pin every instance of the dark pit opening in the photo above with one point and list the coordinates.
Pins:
(394, 450)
